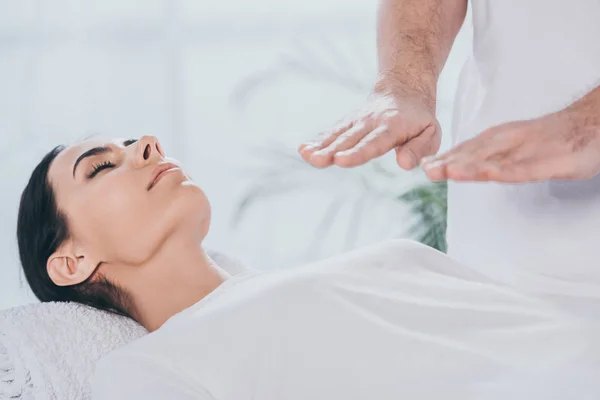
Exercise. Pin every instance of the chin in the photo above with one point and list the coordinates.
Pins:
(191, 210)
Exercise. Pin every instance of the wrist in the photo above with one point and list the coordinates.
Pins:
(414, 87)
(583, 117)
(584, 114)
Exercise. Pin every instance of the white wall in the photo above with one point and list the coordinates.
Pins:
(172, 68)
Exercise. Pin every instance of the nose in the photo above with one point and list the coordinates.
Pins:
(148, 150)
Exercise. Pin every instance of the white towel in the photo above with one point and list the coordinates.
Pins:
(54, 348)
(48, 351)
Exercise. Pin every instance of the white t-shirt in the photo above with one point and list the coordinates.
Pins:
(530, 58)
(393, 321)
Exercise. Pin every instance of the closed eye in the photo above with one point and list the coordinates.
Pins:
(98, 151)
(97, 168)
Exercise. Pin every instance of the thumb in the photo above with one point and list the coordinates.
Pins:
(427, 143)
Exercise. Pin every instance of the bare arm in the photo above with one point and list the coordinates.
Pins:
(564, 145)
(414, 38)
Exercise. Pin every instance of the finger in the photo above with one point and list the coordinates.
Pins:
(323, 140)
(535, 170)
(461, 172)
(328, 136)
(436, 161)
(479, 147)
(473, 172)
(496, 154)
(427, 143)
(512, 174)
(375, 144)
(508, 172)
(325, 156)
(502, 165)
(436, 171)
(462, 163)
(487, 172)
(504, 142)
(344, 142)
(435, 167)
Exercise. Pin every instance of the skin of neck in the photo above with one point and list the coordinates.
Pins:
(177, 276)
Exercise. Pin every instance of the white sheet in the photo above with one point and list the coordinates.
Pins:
(393, 321)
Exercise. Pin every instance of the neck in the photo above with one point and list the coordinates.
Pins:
(178, 276)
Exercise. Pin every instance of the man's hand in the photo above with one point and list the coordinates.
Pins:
(564, 146)
(414, 38)
(386, 122)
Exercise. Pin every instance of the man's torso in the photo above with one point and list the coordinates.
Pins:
(531, 58)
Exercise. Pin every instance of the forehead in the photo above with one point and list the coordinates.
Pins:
(62, 166)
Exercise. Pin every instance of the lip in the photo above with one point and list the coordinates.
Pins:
(159, 172)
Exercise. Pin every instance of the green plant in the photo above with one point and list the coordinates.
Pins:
(285, 172)
(428, 203)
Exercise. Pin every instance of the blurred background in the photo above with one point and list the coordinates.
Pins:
(231, 88)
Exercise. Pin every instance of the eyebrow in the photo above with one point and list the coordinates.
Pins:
(97, 151)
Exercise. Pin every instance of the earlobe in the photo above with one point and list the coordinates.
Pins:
(65, 268)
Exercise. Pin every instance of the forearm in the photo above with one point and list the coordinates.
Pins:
(414, 38)
(579, 122)
(584, 114)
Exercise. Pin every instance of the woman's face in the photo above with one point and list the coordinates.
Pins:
(119, 207)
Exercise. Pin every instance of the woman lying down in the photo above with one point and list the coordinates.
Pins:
(118, 226)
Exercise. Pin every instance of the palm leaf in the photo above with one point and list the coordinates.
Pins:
(428, 203)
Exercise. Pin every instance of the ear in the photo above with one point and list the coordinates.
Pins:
(66, 267)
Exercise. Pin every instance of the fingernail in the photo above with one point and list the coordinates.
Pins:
(346, 152)
(432, 164)
(310, 146)
(319, 154)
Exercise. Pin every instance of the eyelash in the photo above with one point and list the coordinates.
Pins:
(99, 167)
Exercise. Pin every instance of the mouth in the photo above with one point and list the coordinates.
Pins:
(160, 171)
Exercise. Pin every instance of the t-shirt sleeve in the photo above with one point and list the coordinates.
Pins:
(127, 376)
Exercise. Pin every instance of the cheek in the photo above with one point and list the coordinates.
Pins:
(132, 224)
(120, 224)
